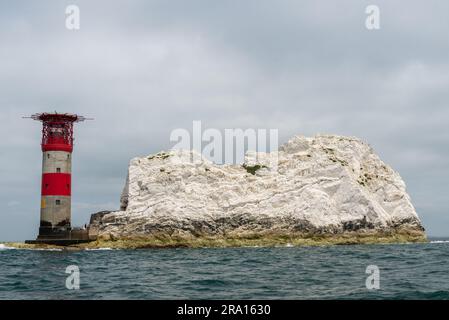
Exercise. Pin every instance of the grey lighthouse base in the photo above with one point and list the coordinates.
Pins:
(63, 237)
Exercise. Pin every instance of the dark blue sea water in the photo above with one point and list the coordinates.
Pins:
(408, 271)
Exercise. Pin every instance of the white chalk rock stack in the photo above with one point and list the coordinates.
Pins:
(321, 185)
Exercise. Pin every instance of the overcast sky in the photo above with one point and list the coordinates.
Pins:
(143, 68)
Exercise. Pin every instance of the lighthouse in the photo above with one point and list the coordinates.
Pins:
(56, 189)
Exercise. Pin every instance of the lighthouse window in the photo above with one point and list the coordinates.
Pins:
(48, 156)
(58, 170)
(58, 202)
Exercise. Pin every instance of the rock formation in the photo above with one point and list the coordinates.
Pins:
(325, 186)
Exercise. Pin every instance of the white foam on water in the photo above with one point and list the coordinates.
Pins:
(440, 241)
(287, 245)
(3, 247)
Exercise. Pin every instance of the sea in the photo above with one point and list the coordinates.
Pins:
(395, 271)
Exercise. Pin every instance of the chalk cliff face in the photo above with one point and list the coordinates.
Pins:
(325, 185)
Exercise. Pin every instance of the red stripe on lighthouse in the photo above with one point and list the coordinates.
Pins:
(57, 147)
(56, 184)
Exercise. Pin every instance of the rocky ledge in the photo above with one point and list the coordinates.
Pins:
(325, 189)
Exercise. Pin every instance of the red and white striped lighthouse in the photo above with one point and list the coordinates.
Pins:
(57, 148)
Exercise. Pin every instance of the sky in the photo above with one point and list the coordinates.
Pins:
(144, 68)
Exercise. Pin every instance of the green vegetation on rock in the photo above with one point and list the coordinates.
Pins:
(253, 169)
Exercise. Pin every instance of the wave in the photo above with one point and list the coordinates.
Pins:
(5, 247)
(439, 241)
